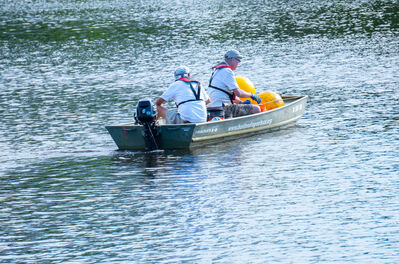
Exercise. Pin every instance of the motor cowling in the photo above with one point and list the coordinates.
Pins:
(146, 115)
(145, 111)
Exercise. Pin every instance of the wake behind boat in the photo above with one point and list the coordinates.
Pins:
(146, 134)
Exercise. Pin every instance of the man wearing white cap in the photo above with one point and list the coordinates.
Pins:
(190, 100)
(223, 88)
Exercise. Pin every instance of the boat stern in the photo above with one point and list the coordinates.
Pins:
(127, 137)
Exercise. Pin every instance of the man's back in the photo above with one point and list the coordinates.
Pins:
(180, 92)
(222, 78)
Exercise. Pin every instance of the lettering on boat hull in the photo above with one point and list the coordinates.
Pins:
(207, 130)
(250, 125)
(297, 108)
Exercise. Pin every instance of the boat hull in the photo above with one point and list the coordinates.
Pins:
(131, 136)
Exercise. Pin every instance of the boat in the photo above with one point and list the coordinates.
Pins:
(153, 135)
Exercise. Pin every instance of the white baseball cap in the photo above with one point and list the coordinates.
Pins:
(181, 72)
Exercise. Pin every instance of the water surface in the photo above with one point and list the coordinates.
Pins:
(323, 191)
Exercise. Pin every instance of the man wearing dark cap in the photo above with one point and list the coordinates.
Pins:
(223, 88)
(190, 100)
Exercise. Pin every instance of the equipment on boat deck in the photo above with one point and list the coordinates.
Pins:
(215, 112)
(146, 115)
(246, 85)
(270, 100)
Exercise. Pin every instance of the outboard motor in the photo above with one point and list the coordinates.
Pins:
(146, 115)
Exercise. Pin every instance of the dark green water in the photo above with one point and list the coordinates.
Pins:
(321, 192)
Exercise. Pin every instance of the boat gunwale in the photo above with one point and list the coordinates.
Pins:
(252, 115)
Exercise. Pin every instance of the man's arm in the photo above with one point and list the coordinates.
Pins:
(160, 109)
(243, 94)
(159, 101)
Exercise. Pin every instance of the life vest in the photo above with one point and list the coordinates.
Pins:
(196, 95)
(222, 65)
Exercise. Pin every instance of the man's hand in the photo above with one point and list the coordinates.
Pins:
(256, 98)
